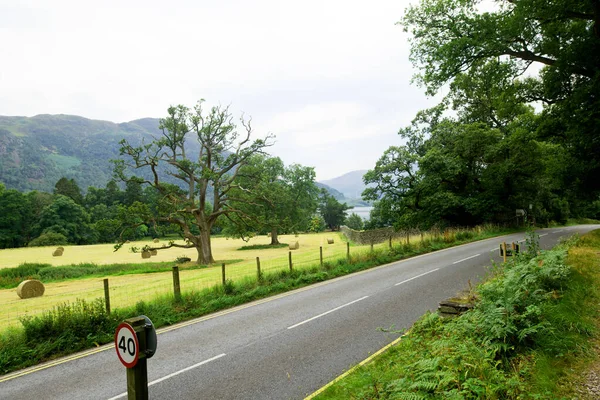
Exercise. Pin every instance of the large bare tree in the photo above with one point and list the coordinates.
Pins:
(209, 173)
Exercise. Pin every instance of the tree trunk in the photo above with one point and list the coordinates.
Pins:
(274, 239)
(206, 257)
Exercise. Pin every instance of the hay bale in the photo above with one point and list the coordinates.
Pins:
(156, 240)
(294, 246)
(153, 252)
(30, 288)
(60, 248)
(329, 240)
(146, 254)
(58, 252)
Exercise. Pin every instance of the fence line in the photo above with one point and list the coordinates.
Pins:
(118, 292)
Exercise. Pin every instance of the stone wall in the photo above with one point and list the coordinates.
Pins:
(373, 236)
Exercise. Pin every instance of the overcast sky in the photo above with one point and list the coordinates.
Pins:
(330, 78)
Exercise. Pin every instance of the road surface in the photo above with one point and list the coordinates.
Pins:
(283, 347)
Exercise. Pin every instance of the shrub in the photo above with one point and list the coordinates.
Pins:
(49, 239)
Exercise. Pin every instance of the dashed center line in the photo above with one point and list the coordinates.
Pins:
(325, 313)
(418, 276)
(181, 371)
(557, 231)
(543, 234)
(465, 259)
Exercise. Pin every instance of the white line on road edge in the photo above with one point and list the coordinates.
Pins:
(415, 277)
(174, 374)
(465, 259)
(325, 313)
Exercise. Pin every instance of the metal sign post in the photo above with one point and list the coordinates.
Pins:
(135, 342)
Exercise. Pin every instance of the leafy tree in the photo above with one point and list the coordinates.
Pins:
(14, 218)
(133, 192)
(354, 221)
(68, 218)
(316, 224)
(332, 211)
(283, 199)
(69, 188)
(458, 42)
(215, 168)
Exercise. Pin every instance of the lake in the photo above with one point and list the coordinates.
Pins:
(363, 212)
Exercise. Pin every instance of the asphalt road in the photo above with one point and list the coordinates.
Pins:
(284, 347)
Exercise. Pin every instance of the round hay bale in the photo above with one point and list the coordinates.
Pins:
(60, 248)
(146, 254)
(57, 253)
(153, 252)
(294, 246)
(329, 241)
(156, 240)
(30, 288)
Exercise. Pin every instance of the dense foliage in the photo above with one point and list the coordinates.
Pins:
(507, 136)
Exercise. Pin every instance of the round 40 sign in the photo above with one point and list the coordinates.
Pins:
(127, 345)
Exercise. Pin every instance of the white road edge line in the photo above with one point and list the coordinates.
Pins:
(175, 374)
(465, 259)
(415, 277)
(325, 313)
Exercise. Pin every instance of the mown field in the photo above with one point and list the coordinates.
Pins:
(127, 290)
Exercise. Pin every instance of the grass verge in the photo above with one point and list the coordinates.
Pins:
(528, 337)
(76, 326)
(11, 277)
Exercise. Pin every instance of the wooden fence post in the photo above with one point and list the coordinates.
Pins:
(258, 273)
(390, 242)
(504, 251)
(223, 273)
(176, 285)
(348, 250)
(290, 260)
(106, 296)
(321, 255)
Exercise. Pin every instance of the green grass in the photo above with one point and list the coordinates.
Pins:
(529, 337)
(11, 277)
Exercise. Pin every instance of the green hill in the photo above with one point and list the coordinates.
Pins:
(36, 152)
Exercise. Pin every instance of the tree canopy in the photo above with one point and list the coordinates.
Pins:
(213, 170)
(519, 126)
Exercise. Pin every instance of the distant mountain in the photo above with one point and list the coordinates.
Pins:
(36, 152)
(350, 184)
(336, 194)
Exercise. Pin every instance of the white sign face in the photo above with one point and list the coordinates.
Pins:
(126, 344)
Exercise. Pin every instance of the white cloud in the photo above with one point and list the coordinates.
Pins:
(329, 78)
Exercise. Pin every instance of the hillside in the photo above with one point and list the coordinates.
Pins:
(350, 184)
(36, 152)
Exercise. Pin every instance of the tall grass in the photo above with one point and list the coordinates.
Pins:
(523, 340)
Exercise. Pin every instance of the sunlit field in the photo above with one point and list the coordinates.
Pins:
(127, 290)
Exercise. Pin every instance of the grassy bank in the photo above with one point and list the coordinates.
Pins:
(528, 337)
(81, 324)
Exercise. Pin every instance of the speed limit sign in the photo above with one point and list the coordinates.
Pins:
(127, 345)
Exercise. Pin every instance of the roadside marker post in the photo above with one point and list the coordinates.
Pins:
(135, 343)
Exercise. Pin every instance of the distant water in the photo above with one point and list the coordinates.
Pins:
(362, 212)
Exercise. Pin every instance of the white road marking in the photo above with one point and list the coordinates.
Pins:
(543, 234)
(325, 313)
(415, 277)
(465, 259)
(175, 374)
(558, 231)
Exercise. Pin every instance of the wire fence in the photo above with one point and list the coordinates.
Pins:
(128, 290)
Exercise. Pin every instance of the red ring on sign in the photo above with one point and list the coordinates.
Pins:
(125, 325)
